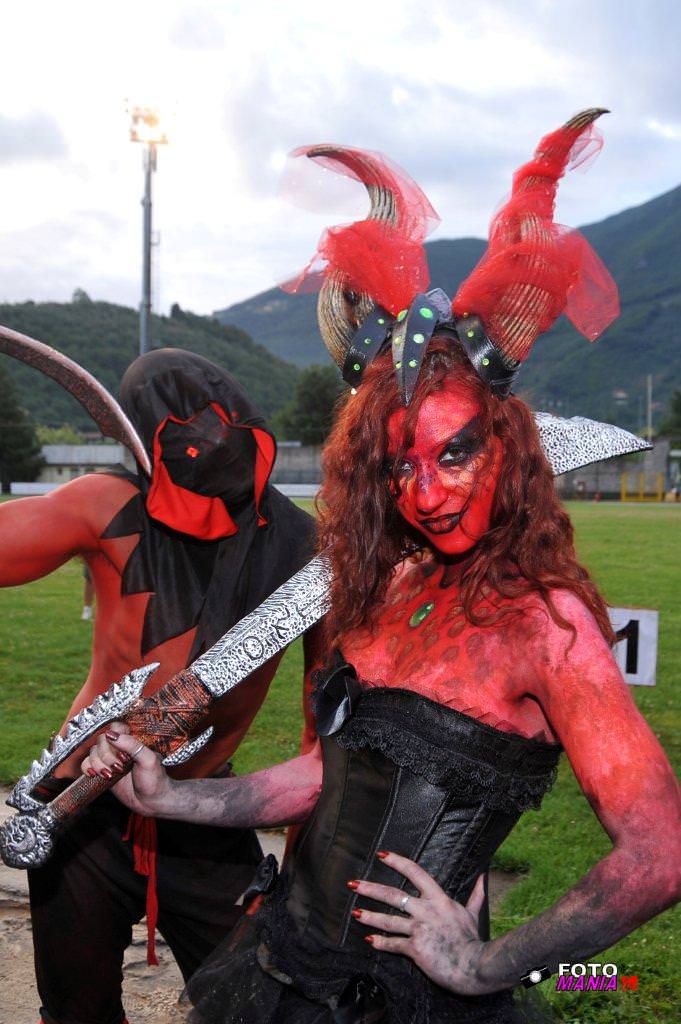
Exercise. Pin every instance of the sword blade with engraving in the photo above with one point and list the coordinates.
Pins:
(167, 720)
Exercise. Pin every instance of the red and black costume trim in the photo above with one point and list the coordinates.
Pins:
(189, 511)
(215, 538)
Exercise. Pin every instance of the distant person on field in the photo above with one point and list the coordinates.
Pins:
(88, 594)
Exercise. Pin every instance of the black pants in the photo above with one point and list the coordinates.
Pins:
(85, 900)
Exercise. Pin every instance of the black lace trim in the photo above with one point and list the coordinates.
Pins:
(454, 770)
(322, 974)
(504, 771)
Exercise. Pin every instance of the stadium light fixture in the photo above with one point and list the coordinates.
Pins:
(147, 128)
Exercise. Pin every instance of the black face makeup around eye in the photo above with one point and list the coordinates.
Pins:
(466, 443)
(403, 469)
(395, 470)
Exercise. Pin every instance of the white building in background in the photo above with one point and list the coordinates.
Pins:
(67, 461)
(297, 471)
(64, 462)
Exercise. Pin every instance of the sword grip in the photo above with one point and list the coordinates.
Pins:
(162, 721)
(82, 792)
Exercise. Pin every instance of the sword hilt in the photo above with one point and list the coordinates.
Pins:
(82, 792)
(163, 721)
(26, 840)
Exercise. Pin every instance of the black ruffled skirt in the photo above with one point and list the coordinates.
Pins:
(232, 987)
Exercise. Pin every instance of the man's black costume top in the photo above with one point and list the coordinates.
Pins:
(212, 455)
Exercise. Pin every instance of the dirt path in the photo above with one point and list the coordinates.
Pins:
(150, 993)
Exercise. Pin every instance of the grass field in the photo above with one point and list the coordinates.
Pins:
(633, 553)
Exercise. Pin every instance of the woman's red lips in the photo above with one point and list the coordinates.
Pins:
(441, 524)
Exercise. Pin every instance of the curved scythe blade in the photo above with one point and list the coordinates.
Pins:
(86, 389)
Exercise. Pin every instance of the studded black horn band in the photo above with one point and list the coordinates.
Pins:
(367, 342)
(497, 372)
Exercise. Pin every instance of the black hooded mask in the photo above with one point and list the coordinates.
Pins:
(215, 538)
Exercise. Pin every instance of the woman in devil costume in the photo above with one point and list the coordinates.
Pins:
(467, 649)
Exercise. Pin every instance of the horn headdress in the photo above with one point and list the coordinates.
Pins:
(373, 268)
(375, 274)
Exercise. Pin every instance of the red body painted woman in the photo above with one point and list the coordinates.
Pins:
(463, 645)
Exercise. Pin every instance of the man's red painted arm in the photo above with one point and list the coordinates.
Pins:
(39, 534)
(628, 781)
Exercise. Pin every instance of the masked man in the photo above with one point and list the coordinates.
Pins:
(176, 559)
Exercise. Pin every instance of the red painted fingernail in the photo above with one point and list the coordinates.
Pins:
(111, 736)
(106, 773)
(382, 854)
(357, 913)
(91, 772)
(124, 757)
(117, 766)
(369, 939)
(353, 885)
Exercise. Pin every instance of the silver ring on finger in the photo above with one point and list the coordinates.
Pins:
(403, 903)
(136, 751)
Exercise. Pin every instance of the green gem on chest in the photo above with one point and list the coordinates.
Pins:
(421, 613)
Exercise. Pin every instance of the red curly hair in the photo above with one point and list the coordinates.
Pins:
(528, 549)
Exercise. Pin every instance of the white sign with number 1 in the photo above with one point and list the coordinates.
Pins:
(636, 649)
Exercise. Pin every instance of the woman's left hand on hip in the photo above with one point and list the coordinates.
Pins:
(437, 933)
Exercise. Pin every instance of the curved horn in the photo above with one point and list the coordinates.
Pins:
(86, 389)
(339, 310)
(586, 117)
(370, 173)
(559, 145)
(523, 305)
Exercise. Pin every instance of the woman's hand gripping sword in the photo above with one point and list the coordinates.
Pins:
(166, 721)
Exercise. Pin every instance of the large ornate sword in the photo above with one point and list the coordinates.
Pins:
(166, 721)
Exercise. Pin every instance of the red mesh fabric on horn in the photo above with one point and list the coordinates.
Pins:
(533, 269)
(382, 258)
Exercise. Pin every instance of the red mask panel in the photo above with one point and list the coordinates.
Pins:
(206, 467)
(446, 480)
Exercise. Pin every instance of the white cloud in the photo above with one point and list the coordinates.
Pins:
(458, 93)
(197, 28)
(32, 136)
(665, 131)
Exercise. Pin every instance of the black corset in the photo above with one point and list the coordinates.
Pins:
(405, 774)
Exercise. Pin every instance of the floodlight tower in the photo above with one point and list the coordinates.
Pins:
(145, 127)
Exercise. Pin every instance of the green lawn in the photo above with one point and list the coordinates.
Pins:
(633, 552)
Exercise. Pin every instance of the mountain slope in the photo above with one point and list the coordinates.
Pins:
(104, 339)
(642, 249)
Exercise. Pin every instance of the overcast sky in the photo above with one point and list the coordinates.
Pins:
(457, 92)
